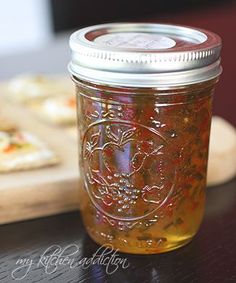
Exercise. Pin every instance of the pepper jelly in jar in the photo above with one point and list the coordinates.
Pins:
(144, 99)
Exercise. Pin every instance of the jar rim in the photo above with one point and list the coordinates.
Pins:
(143, 55)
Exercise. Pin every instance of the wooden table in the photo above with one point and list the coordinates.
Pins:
(210, 257)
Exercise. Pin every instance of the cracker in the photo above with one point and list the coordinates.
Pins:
(21, 150)
(59, 110)
(28, 87)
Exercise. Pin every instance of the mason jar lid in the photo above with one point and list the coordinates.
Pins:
(144, 55)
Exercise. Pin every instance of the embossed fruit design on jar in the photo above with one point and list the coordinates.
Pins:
(144, 99)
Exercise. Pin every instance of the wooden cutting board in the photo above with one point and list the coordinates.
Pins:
(40, 192)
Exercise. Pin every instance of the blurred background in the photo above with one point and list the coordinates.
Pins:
(34, 34)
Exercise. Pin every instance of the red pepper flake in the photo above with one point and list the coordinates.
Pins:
(169, 210)
(9, 148)
(194, 205)
(71, 102)
(20, 137)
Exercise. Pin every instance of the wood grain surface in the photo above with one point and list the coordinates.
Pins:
(40, 192)
(209, 258)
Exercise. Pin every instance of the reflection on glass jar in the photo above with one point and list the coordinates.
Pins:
(143, 155)
(144, 168)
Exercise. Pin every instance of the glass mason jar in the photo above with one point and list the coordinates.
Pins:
(144, 100)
